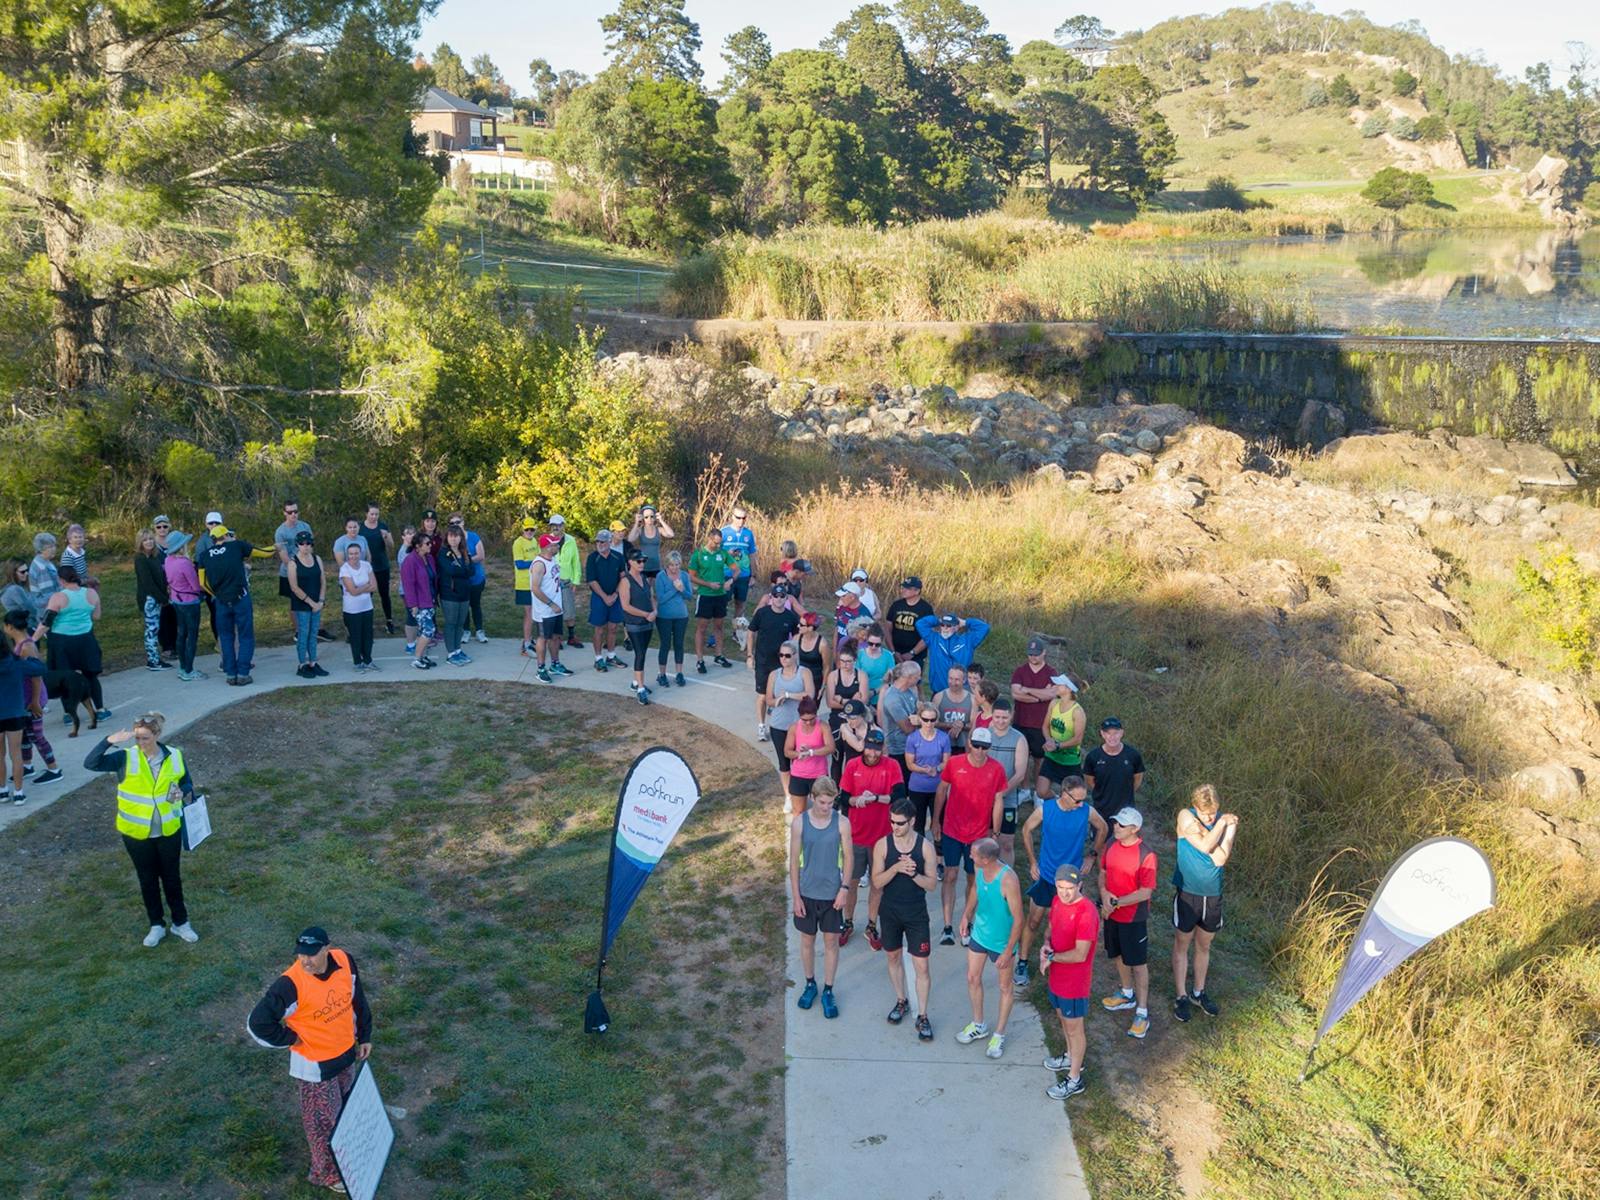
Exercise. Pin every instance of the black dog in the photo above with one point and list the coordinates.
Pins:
(71, 688)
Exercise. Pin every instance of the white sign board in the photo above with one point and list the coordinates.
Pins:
(660, 792)
(362, 1137)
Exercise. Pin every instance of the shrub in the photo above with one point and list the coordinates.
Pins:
(1394, 188)
(1404, 127)
(1565, 600)
(1591, 198)
(1432, 129)
(1315, 96)
(1223, 192)
(1405, 83)
(1374, 126)
(1342, 92)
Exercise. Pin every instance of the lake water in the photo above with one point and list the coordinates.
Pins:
(1538, 283)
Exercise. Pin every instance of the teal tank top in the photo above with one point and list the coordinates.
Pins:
(77, 617)
(991, 924)
(1194, 872)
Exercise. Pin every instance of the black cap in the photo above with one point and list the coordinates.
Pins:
(636, 556)
(803, 565)
(428, 512)
(854, 708)
(1111, 723)
(311, 940)
(780, 588)
(303, 538)
(912, 581)
(874, 737)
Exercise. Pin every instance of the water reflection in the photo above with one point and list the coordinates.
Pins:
(1532, 282)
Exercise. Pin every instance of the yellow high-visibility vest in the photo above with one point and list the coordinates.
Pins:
(139, 795)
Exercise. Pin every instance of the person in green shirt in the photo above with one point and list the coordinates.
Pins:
(711, 569)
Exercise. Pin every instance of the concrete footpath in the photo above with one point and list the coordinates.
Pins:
(870, 1110)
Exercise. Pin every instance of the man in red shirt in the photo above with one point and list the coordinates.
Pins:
(1031, 692)
(972, 788)
(1067, 960)
(867, 785)
(1127, 881)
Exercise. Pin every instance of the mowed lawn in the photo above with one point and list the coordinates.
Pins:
(455, 840)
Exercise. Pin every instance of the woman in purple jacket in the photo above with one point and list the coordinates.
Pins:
(420, 582)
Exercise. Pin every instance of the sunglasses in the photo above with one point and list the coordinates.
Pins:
(785, 656)
(875, 645)
(738, 516)
(929, 718)
(900, 824)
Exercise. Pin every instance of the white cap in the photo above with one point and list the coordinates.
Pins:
(213, 518)
(850, 589)
(1130, 817)
(859, 575)
(1063, 680)
(558, 519)
(981, 737)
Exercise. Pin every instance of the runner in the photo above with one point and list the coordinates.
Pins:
(1064, 723)
(870, 603)
(638, 597)
(1113, 769)
(843, 684)
(926, 753)
(816, 654)
(380, 548)
(1067, 961)
(902, 875)
(819, 846)
(787, 685)
(990, 927)
(809, 748)
(967, 807)
(904, 614)
(875, 661)
(776, 620)
(1008, 748)
(897, 715)
(956, 708)
(710, 569)
(1127, 881)
(952, 641)
(1205, 843)
(1031, 693)
(604, 570)
(870, 783)
(1064, 826)
(523, 551)
(737, 535)
(567, 561)
(648, 533)
(544, 583)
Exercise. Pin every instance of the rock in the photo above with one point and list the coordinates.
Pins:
(757, 379)
(901, 415)
(859, 425)
(1528, 506)
(1147, 440)
(1179, 495)
(1113, 472)
(829, 394)
(834, 429)
(1537, 531)
(1554, 784)
(1492, 514)
(1052, 472)
(1207, 453)
(1319, 423)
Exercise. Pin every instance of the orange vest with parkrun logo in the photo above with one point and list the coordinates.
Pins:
(324, 1015)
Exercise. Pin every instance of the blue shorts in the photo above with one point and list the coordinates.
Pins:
(1076, 1007)
(739, 589)
(524, 598)
(1042, 892)
(956, 854)
(601, 613)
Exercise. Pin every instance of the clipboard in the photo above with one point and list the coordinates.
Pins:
(196, 823)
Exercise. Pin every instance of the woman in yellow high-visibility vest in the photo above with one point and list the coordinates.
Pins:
(154, 787)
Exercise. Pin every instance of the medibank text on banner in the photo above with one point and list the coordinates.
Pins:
(657, 795)
(1432, 888)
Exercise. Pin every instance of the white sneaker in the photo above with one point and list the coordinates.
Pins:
(483, 637)
(157, 932)
(186, 932)
(19, 798)
(997, 1045)
(1061, 1062)
(761, 732)
(973, 1031)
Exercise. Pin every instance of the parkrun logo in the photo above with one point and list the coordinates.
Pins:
(1438, 882)
(338, 1001)
(659, 791)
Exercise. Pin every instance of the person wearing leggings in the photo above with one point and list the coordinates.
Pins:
(72, 646)
(673, 593)
(638, 597)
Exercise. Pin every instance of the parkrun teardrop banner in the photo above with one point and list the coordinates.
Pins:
(1432, 888)
(658, 793)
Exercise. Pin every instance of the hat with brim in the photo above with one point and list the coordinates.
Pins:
(1130, 816)
(1067, 873)
(311, 940)
(982, 737)
(175, 541)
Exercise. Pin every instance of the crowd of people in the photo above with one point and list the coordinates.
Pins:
(906, 772)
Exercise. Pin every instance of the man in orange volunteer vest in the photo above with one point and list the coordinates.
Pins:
(317, 1010)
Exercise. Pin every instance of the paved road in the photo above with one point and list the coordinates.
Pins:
(870, 1110)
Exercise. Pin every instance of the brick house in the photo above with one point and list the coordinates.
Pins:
(447, 122)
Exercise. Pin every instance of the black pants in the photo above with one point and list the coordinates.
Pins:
(639, 640)
(672, 629)
(156, 861)
(358, 628)
(167, 630)
(383, 594)
(188, 633)
(475, 600)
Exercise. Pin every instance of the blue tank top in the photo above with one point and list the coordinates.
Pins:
(1194, 872)
(991, 923)
(1062, 838)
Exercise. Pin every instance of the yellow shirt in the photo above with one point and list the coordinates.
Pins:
(523, 551)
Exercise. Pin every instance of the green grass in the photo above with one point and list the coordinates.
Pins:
(462, 861)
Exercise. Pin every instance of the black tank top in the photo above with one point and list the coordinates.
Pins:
(310, 581)
(901, 895)
(845, 691)
(812, 658)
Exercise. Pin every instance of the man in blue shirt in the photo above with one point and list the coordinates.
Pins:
(952, 641)
(737, 535)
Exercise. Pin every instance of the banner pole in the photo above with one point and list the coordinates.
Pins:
(1310, 1054)
(595, 1009)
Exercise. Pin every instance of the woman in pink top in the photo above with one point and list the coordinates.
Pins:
(809, 749)
(183, 590)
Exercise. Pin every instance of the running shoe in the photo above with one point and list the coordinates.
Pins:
(19, 798)
(1206, 1003)
(611, 656)
(304, 671)
(711, 642)
(1140, 1026)
(924, 1029)
(680, 680)
(873, 938)
(642, 695)
(104, 714)
(411, 647)
(543, 675)
(844, 934)
(966, 940)
(898, 1012)
(362, 667)
(996, 1046)
(1065, 1089)
(27, 770)
(558, 668)
(600, 665)
(157, 932)
(938, 872)
(389, 626)
(1180, 1008)
(1119, 1002)
(761, 730)
(186, 932)
(663, 680)
(808, 996)
(457, 659)
(319, 670)
(1058, 1064)
(1020, 976)
(700, 666)
(721, 662)
(483, 638)
(971, 1032)
(830, 1008)
(423, 664)
(49, 776)
(244, 680)
(948, 937)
